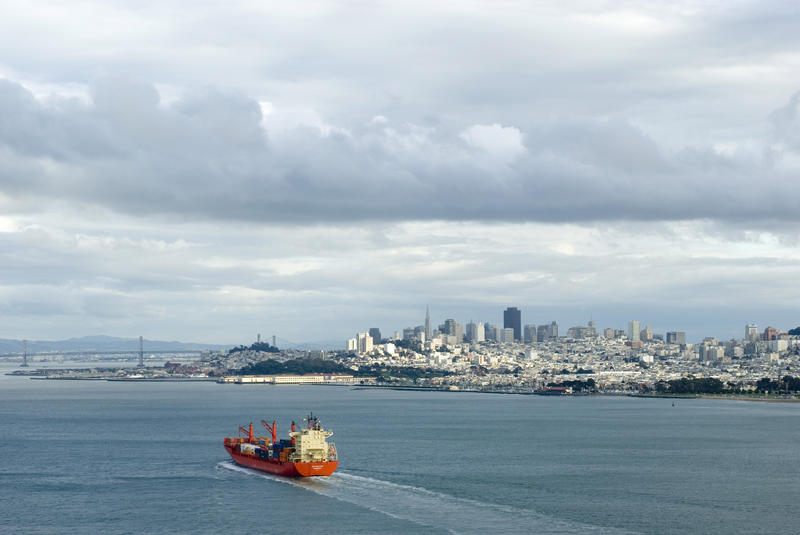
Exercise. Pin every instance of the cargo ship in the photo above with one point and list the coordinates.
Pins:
(306, 453)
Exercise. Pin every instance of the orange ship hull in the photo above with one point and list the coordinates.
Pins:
(283, 468)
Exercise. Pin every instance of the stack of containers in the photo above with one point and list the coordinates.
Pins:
(247, 449)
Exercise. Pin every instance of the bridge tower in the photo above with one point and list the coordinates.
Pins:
(24, 353)
(141, 352)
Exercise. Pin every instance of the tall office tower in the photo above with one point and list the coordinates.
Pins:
(512, 319)
(419, 333)
(646, 334)
(364, 343)
(676, 337)
(459, 333)
(427, 323)
(529, 334)
(507, 335)
(470, 331)
(553, 329)
(480, 333)
(542, 333)
(375, 333)
(608, 333)
(751, 332)
(449, 327)
(490, 331)
(770, 333)
(633, 331)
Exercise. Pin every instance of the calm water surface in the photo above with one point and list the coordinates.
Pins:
(100, 457)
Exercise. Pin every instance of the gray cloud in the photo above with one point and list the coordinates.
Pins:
(207, 156)
(215, 172)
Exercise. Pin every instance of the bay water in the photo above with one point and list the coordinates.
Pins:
(144, 457)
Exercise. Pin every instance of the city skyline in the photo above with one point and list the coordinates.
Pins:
(752, 331)
(209, 173)
(634, 330)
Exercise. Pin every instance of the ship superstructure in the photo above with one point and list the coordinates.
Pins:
(306, 453)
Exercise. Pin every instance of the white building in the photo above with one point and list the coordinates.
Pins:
(505, 335)
(364, 343)
(751, 332)
(475, 332)
(778, 346)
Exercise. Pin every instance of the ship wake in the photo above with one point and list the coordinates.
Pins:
(428, 508)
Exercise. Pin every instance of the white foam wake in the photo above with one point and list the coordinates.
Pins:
(421, 506)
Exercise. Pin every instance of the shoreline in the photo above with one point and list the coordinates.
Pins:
(763, 398)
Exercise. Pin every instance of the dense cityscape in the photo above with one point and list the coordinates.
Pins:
(529, 357)
(514, 357)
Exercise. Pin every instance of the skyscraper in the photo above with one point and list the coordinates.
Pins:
(676, 337)
(364, 342)
(633, 331)
(472, 331)
(646, 334)
(506, 335)
(529, 334)
(751, 332)
(450, 327)
(542, 333)
(427, 323)
(512, 319)
(475, 332)
(490, 331)
(375, 333)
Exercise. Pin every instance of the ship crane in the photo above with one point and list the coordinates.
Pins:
(272, 430)
(248, 432)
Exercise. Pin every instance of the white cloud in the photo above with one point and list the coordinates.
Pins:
(8, 224)
(504, 142)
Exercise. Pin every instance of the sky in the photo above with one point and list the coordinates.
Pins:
(206, 171)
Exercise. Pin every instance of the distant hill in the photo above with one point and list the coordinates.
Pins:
(101, 343)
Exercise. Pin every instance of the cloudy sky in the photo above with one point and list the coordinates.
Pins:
(205, 171)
